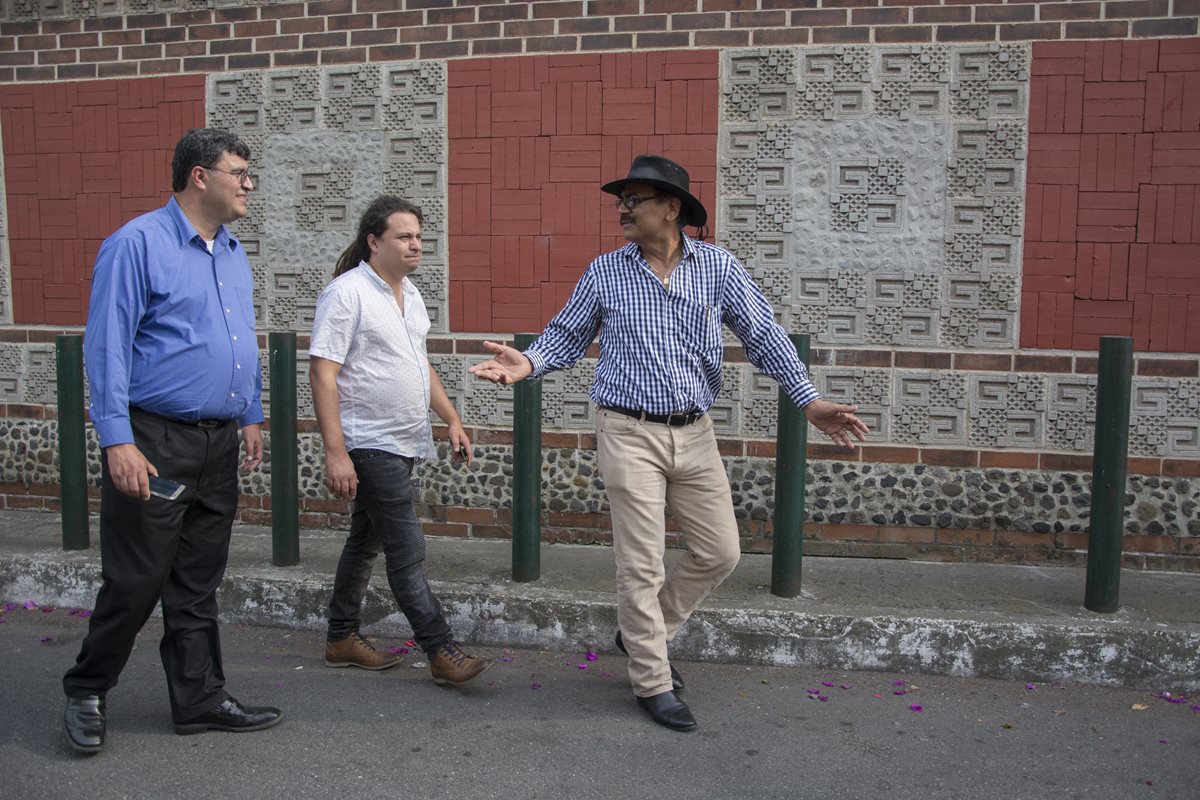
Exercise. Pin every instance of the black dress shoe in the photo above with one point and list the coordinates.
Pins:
(676, 679)
(231, 716)
(669, 711)
(84, 723)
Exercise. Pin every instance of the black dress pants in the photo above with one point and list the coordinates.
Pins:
(169, 550)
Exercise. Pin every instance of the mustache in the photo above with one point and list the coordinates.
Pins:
(626, 218)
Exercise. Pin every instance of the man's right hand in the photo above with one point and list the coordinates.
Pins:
(509, 366)
(340, 476)
(129, 470)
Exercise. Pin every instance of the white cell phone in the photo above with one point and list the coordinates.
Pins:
(164, 488)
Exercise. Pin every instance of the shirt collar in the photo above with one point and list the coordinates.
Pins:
(633, 252)
(187, 232)
(380, 282)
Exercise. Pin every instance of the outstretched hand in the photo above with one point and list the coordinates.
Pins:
(837, 421)
(509, 366)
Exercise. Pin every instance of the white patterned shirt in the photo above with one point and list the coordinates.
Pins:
(383, 385)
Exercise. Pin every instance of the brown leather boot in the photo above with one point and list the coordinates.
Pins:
(451, 664)
(356, 651)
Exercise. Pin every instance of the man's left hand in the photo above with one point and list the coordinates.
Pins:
(837, 421)
(253, 440)
(459, 443)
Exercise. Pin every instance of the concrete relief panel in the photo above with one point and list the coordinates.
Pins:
(902, 160)
(326, 142)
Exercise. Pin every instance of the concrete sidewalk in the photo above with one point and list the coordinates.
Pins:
(984, 620)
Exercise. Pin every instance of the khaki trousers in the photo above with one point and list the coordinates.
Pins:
(646, 467)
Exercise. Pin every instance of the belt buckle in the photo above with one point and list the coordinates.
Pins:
(683, 419)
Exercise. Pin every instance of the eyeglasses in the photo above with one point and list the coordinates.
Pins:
(241, 175)
(629, 202)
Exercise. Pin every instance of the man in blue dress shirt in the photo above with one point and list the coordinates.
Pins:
(172, 364)
(659, 304)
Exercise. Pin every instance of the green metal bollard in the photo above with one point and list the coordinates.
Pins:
(72, 444)
(285, 502)
(527, 474)
(1109, 467)
(791, 465)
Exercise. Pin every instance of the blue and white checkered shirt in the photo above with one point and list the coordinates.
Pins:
(660, 346)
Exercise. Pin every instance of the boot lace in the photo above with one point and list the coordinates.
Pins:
(454, 652)
(361, 641)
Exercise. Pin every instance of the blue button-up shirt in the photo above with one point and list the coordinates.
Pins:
(171, 327)
(660, 346)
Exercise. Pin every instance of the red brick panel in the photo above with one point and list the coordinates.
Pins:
(80, 159)
(1112, 227)
(532, 139)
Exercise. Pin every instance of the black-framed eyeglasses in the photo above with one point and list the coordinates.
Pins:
(629, 202)
(240, 175)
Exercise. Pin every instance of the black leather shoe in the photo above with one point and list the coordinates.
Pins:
(669, 711)
(676, 679)
(84, 723)
(231, 716)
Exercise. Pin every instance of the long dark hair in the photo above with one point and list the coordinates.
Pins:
(373, 223)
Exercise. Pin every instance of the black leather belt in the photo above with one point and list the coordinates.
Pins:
(676, 420)
(207, 424)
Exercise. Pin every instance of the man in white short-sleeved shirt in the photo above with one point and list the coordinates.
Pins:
(372, 389)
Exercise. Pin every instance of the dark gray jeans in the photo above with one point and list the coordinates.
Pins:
(384, 521)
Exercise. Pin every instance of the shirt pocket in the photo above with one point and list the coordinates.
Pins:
(700, 324)
(245, 301)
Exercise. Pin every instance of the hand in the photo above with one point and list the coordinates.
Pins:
(837, 421)
(129, 470)
(253, 440)
(340, 476)
(509, 366)
(459, 440)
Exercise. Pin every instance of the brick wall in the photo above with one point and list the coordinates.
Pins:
(1112, 237)
(156, 39)
(81, 159)
(531, 140)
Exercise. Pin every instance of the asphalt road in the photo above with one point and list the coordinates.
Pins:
(539, 726)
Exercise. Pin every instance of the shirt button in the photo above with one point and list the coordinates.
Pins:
(235, 338)
(227, 311)
(239, 366)
(233, 394)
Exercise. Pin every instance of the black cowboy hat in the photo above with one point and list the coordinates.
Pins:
(662, 173)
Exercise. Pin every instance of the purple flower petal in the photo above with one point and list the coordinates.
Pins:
(590, 656)
(823, 698)
(583, 666)
(535, 686)
(899, 682)
(827, 683)
(1195, 706)
(900, 692)
(30, 605)
(47, 609)
(847, 686)
(45, 639)
(916, 708)
(1031, 687)
(814, 691)
(9, 606)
